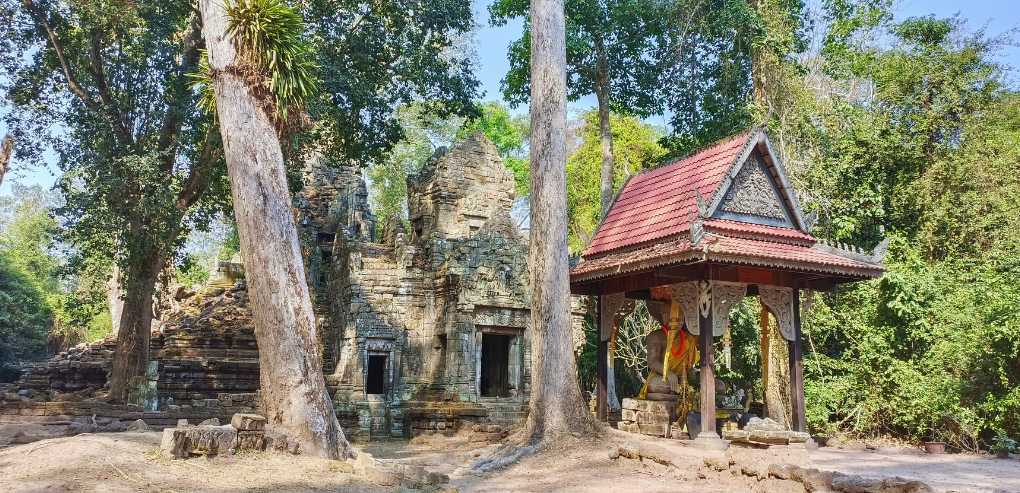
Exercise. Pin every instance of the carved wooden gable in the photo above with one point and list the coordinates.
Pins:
(753, 196)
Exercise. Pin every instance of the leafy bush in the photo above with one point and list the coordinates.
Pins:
(25, 316)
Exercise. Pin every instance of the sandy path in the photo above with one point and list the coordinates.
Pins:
(130, 462)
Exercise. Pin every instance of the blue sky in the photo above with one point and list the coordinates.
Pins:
(995, 16)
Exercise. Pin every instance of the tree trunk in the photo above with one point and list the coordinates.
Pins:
(605, 134)
(606, 192)
(293, 390)
(556, 406)
(5, 156)
(133, 330)
(115, 298)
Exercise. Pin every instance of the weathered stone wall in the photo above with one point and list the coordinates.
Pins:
(424, 300)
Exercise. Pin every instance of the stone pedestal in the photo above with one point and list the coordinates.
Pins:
(646, 417)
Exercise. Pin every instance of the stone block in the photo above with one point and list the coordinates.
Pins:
(248, 422)
(138, 426)
(769, 437)
(174, 443)
(647, 405)
(250, 440)
(198, 440)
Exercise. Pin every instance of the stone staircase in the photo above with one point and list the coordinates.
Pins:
(506, 414)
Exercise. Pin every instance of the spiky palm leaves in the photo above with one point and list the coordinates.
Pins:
(272, 54)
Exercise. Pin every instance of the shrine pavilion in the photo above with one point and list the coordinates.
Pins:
(700, 234)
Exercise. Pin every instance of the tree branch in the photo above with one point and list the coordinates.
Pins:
(72, 82)
(99, 74)
(5, 156)
(58, 49)
(201, 172)
(177, 94)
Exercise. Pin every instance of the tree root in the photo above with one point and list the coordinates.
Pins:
(503, 457)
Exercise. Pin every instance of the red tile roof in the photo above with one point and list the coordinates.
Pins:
(649, 226)
(758, 231)
(662, 201)
(793, 257)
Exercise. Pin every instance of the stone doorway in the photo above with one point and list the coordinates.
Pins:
(375, 378)
(495, 374)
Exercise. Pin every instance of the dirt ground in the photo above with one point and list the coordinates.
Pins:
(131, 462)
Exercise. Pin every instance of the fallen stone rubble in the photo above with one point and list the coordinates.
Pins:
(763, 433)
(246, 432)
(813, 480)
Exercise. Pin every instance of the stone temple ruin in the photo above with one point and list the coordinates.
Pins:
(422, 329)
(429, 326)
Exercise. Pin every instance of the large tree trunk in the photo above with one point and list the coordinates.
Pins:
(131, 357)
(605, 135)
(556, 406)
(606, 193)
(293, 390)
(5, 156)
(115, 298)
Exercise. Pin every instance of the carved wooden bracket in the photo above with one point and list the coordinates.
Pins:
(779, 301)
(686, 295)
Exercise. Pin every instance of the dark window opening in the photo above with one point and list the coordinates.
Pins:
(495, 378)
(376, 378)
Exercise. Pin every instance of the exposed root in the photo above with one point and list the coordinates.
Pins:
(642, 454)
(503, 457)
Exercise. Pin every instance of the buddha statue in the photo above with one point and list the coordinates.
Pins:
(672, 353)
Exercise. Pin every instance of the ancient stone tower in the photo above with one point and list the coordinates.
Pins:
(432, 323)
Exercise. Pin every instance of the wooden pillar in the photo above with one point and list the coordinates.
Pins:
(707, 375)
(797, 370)
(602, 358)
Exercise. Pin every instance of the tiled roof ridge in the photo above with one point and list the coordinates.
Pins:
(700, 172)
(747, 133)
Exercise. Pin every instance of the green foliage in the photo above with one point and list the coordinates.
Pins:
(928, 352)
(35, 266)
(376, 58)
(619, 37)
(635, 147)
(915, 140)
(268, 35)
(192, 273)
(25, 316)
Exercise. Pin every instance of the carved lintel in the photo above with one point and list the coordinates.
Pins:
(725, 296)
(779, 301)
(686, 295)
